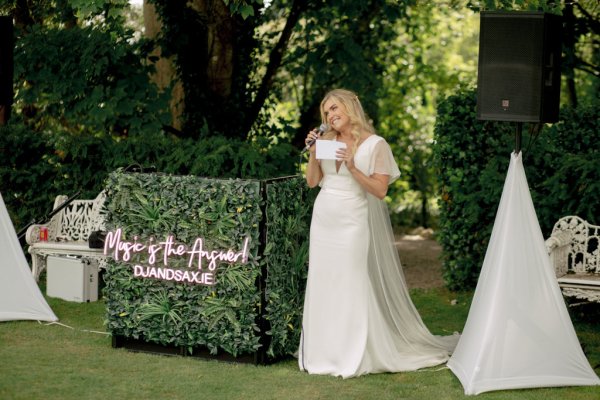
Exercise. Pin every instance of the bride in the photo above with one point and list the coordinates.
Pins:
(358, 316)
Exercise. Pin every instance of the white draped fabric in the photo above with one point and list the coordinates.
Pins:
(20, 297)
(518, 333)
(358, 315)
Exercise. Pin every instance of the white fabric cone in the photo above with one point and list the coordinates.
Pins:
(518, 333)
(20, 296)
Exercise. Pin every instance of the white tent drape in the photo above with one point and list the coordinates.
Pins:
(518, 333)
(20, 297)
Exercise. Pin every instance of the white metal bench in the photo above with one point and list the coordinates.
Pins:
(68, 233)
(574, 249)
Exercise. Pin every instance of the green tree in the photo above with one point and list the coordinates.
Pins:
(338, 44)
(581, 41)
(581, 55)
(291, 51)
(252, 78)
(81, 87)
(78, 70)
(433, 54)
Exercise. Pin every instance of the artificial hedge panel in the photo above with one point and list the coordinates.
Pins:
(288, 212)
(226, 317)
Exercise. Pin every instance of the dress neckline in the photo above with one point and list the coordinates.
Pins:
(338, 167)
(361, 143)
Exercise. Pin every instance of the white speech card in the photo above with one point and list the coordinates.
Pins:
(326, 149)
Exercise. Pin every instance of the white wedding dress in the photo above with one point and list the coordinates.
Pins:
(358, 315)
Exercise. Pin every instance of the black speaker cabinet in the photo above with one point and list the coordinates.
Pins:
(519, 66)
(6, 66)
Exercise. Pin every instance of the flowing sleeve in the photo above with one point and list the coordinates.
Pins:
(383, 162)
(390, 291)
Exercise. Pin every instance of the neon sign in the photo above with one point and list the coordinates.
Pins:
(203, 261)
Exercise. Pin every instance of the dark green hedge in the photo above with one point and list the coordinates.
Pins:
(225, 317)
(562, 165)
(27, 174)
(36, 167)
(569, 168)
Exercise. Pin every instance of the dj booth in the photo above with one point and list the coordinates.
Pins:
(206, 267)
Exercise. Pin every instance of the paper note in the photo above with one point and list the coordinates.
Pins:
(326, 149)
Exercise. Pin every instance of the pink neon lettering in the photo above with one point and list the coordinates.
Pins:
(125, 250)
(113, 241)
(216, 255)
(199, 277)
(110, 242)
(153, 249)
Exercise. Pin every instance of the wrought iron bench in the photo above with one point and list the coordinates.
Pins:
(574, 249)
(68, 233)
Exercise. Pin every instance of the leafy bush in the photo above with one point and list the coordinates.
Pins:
(472, 157)
(28, 173)
(86, 79)
(465, 151)
(36, 167)
(568, 167)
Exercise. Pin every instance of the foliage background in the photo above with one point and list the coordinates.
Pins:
(87, 99)
(85, 88)
(562, 164)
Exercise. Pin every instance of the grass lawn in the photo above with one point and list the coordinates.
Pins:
(40, 361)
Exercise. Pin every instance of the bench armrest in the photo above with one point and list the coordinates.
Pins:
(33, 234)
(558, 246)
(559, 239)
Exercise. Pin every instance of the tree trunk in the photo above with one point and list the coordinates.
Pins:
(275, 59)
(214, 59)
(165, 73)
(22, 14)
(424, 210)
(220, 46)
(569, 52)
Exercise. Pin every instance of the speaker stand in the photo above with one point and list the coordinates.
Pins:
(518, 137)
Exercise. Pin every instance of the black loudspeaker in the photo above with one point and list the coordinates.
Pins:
(519, 66)
(6, 67)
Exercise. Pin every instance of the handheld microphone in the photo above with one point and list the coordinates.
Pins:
(322, 129)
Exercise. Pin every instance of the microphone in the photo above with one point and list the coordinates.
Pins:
(322, 129)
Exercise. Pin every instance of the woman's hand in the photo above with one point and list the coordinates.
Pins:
(311, 138)
(313, 169)
(347, 157)
(376, 184)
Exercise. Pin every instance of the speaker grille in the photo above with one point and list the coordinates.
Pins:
(511, 72)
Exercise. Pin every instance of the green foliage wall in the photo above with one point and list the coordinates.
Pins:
(562, 165)
(285, 257)
(226, 317)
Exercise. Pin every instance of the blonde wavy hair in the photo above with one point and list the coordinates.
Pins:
(352, 107)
